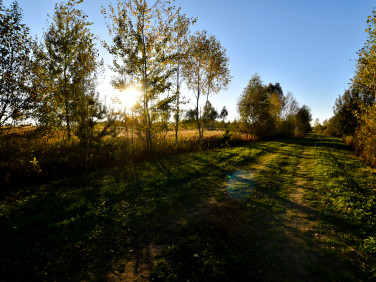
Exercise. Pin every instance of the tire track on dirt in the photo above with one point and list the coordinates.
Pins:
(298, 253)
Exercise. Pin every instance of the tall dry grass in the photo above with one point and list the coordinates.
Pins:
(30, 156)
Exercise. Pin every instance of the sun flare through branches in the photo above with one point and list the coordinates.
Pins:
(128, 97)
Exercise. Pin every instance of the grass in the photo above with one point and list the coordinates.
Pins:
(29, 157)
(295, 209)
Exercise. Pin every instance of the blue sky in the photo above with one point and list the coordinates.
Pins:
(308, 46)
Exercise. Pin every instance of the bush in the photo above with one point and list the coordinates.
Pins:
(365, 143)
(350, 141)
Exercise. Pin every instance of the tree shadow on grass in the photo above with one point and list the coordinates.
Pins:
(318, 141)
(87, 227)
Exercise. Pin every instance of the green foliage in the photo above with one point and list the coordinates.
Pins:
(369, 246)
(206, 71)
(364, 78)
(145, 41)
(354, 111)
(365, 143)
(209, 115)
(267, 113)
(344, 121)
(64, 73)
(14, 65)
(254, 108)
(303, 121)
(224, 113)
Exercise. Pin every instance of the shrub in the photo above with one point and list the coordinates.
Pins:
(365, 143)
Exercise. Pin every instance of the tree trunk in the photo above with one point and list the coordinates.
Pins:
(198, 109)
(146, 101)
(198, 115)
(67, 119)
(204, 123)
(177, 104)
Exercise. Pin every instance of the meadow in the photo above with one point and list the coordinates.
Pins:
(29, 156)
(297, 209)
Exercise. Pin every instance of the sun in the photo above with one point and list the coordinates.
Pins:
(128, 97)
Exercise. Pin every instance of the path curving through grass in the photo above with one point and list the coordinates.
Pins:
(290, 210)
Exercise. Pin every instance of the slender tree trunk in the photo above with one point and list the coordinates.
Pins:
(204, 123)
(198, 109)
(177, 104)
(132, 132)
(149, 133)
(67, 119)
(148, 122)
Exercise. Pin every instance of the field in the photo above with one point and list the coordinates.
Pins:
(29, 156)
(298, 209)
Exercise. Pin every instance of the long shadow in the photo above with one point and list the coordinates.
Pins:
(86, 227)
(320, 141)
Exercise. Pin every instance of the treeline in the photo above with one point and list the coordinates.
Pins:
(266, 112)
(354, 116)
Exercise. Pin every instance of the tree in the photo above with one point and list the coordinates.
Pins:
(345, 109)
(180, 38)
(72, 63)
(41, 91)
(274, 89)
(303, 119)
(254, 108)
(144, 45)
(317, 127)
(224, 113)
(14, 63)
(190, 115)
(365, 75)
(290, 106)
(210, 114)
(206, 70)
(365, 133)
(364, 85)
(289, 110)
(276, 99)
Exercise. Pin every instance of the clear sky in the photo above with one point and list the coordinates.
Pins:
(308, 46)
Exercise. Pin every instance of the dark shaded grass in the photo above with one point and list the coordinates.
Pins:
(86, 227)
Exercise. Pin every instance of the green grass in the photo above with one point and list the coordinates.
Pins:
(182, 218)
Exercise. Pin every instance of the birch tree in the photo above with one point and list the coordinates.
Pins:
(206, 70)
(143, 46)
(181, 40)
(72, 61)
